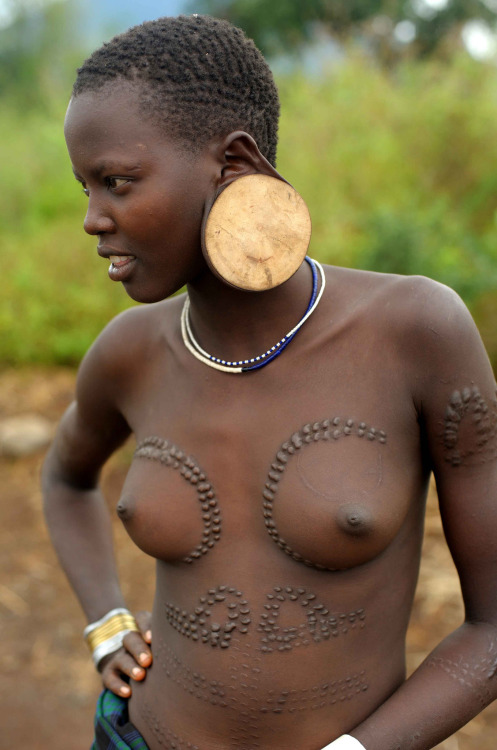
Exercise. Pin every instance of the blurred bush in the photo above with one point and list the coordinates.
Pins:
(56, 295)
(398, 170)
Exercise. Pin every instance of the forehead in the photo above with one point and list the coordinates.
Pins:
(110, 121)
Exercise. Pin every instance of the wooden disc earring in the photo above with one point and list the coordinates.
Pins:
(257, 232)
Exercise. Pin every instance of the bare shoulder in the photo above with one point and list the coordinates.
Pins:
(426, 315)
(425, 304)
(410, 296)
(406, 305)
(131, 337)
(424, 325)
(114, 365)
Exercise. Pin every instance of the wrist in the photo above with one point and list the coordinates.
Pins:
(345, 742)
(107, 634)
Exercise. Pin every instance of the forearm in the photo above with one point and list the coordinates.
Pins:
(454, 683)
(80, 529)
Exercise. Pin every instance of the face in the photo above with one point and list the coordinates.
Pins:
(146, 194)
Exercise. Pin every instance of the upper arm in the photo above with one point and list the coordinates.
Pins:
(458, 408)
(94, 426)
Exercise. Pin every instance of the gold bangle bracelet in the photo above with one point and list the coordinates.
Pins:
(112, 627)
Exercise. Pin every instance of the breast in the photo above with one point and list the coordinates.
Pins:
(333, 497)
(168, 505)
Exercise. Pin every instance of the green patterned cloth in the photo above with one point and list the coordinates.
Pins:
(113, 729)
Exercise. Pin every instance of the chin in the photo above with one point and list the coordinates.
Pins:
(148, 296)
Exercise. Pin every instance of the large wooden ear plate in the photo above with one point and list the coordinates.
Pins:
(257, 233)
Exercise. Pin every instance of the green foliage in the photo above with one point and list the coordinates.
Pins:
(56, 294)
(35, 169)
(38, 53)
(398, 171)
(280, 25)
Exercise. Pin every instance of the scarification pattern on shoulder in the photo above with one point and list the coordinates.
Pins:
(168, 454)
(468, 412)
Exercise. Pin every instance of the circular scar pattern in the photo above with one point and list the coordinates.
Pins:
(199, 626)
(468, 413)
(319, 625)
(168, 454)
(329, 430)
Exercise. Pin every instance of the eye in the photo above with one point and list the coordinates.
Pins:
(114, 183)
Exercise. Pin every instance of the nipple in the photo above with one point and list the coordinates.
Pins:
(123, 509)
(355, 519)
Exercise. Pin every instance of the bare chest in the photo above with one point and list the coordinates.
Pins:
(324, 473)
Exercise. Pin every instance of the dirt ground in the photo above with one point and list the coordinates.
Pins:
(47, 683)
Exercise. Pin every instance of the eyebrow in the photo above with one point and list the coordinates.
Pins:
(109, 166)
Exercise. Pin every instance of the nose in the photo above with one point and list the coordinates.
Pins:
(97, 220)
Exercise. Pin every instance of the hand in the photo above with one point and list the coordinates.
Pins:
(131, 660)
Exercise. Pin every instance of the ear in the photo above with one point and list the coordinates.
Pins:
(239, 155)
(255, 234)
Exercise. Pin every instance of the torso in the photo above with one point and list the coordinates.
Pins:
(285, 510)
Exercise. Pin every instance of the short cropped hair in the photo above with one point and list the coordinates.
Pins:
(197, 77)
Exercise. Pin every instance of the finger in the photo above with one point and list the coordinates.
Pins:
(120, 667)
(116, 684)
(139, 650)
(123, 663)
(144, 621)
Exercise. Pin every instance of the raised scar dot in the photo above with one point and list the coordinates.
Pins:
(476, 443)
(297, 441)
(166, 453)
(319, 625)
(218, 633)
(164, 736)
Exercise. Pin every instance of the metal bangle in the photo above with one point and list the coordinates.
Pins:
(345, 742)
(108, 647)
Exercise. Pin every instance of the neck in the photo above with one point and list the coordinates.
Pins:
(234, 324)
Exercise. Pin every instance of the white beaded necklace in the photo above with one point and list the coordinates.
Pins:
(253, 363)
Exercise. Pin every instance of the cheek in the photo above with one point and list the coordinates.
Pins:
(166, 239)
(177, 217)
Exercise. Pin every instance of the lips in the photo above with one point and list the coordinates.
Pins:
(121, 266)
(120, 260)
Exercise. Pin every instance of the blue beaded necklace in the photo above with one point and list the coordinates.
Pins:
(253, 363)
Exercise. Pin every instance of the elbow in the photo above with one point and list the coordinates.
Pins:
(65, 479)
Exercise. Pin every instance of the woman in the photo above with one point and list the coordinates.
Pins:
(280, 488)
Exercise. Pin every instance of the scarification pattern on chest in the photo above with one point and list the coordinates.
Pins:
(168, 454)
(330, 430)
